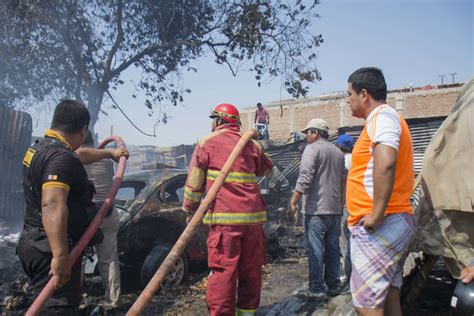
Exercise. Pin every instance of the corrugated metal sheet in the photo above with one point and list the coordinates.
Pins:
(284, 155)
(15, 138)
(287, 157)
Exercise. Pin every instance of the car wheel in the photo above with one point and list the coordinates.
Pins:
(153, 261)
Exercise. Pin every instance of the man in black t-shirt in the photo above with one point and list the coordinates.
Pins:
(58, 198)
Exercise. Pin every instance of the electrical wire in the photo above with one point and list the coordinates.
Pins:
(133, 124)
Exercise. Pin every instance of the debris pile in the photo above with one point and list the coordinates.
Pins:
(10, 268)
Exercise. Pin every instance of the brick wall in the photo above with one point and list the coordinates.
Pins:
(291, 115)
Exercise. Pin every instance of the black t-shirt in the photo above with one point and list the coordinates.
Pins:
(54, 166)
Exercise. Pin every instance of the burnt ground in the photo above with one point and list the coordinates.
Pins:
(286, 271)
(281, 277)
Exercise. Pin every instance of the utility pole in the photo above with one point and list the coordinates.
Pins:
(442, 78)
(453, 75)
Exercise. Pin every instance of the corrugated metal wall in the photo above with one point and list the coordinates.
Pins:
(421, 129)
(15, 138)
(287, 157)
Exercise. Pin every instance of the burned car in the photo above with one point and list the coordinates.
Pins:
(151, 221)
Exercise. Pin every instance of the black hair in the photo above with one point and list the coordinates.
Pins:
(259, 104)
(372, 80)
(70, 116)
(322, 133)
(89, 140)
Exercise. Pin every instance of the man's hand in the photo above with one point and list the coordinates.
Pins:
(60, 272)
(117, 153)
(371, 221)
(292, 210)
(467, 274)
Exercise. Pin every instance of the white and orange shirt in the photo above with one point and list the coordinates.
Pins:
(384, 126)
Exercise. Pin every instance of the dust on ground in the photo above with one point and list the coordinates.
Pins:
(286, 271)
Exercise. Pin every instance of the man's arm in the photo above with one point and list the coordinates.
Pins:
(305, 179)
(196, 180)
(88, 155)
(255, 120)
(54, 217)
(385, 162)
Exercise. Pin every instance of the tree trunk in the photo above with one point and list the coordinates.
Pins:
(94, 102)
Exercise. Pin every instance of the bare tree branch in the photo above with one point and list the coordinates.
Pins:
(118, 39)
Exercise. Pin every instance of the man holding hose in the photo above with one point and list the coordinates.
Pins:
(58, 198)
(236, 242)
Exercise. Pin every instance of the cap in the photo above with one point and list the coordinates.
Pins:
(345, 141)
(318, 124)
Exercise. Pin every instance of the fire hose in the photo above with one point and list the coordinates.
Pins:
(157, 279)
(76, 252)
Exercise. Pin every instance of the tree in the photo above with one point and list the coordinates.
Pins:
(80, 48)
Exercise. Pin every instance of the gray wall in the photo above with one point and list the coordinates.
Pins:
(15, 138)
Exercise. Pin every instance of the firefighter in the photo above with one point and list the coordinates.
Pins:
(236, 242)
(59, 205)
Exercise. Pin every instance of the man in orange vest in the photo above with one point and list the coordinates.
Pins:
(236, 242)
(379, 187)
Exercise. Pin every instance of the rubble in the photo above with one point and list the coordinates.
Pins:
(286, 271)
(14, 296)
(10, 268)
(281, 276)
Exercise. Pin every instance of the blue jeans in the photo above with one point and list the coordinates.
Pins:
(321, 241)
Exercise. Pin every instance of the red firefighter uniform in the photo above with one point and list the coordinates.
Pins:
(236, 242)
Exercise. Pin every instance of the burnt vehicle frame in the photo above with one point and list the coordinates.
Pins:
(149, 204)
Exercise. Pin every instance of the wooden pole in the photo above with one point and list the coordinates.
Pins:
(154, 284)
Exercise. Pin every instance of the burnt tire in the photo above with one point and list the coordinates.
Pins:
(153, 261)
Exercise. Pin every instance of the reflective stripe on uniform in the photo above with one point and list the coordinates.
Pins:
(245, 312)
(55, 184)
(235, 218)
(195, 178)
(191, 195)
(239, 177)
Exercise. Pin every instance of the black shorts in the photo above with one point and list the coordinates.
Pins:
(35, 256)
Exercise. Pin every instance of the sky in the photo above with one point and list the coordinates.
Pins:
(413, 42)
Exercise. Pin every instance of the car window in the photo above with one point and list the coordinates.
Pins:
(180, 193)
(173, 190)
(129, 190)
(125, 193)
